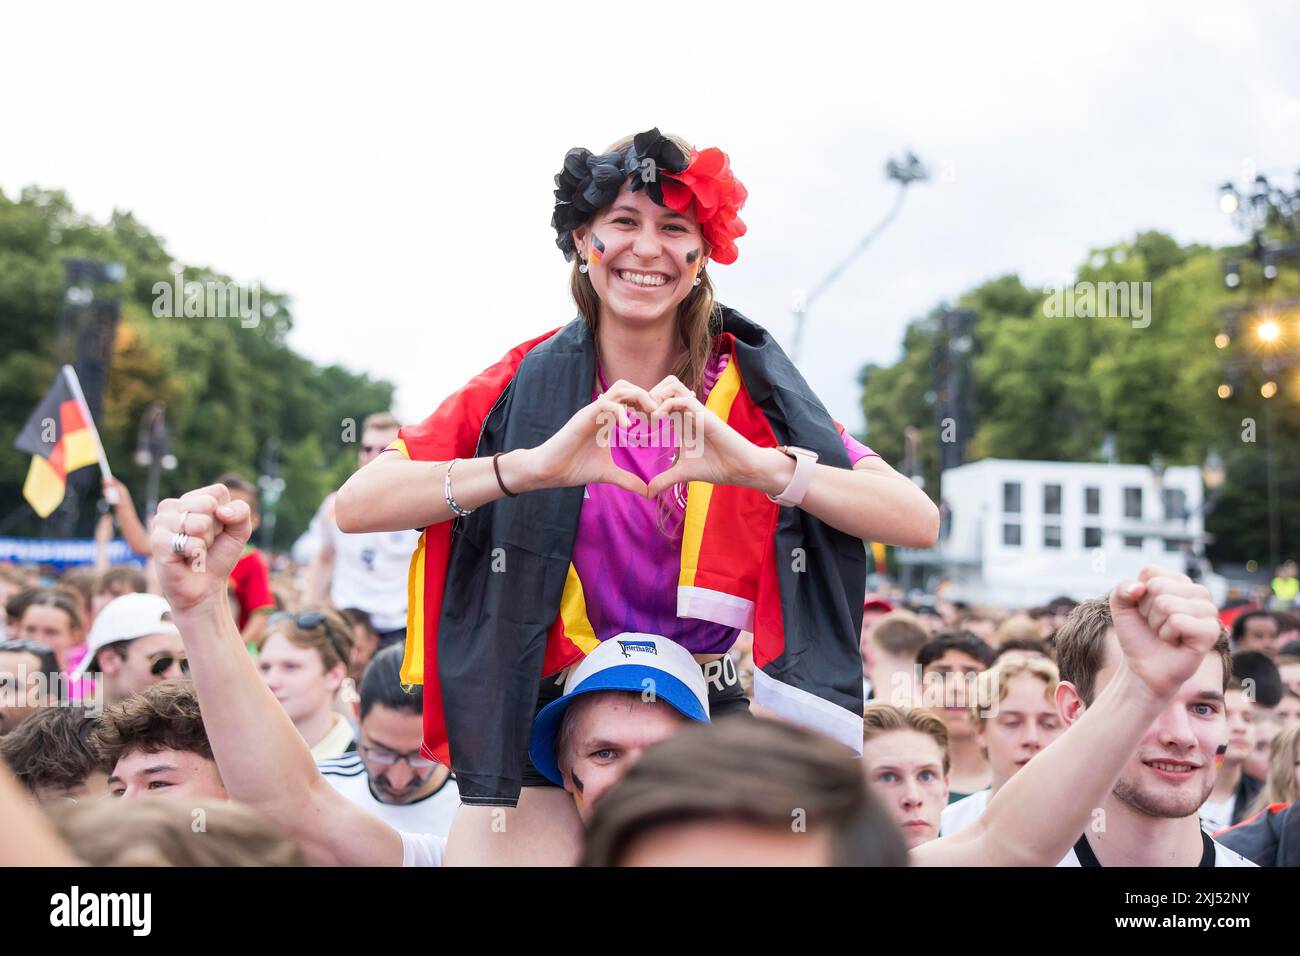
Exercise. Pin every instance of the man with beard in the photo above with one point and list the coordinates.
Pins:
(1150, 816)
(387, 775)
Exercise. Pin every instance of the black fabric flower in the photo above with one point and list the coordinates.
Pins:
(653, 153)
(586, 183)
(590, 182)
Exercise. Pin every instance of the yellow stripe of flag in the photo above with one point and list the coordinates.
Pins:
(699, 493)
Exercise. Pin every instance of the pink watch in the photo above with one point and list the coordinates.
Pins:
(804, 460)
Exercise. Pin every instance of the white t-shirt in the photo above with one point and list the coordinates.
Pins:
(958, 816)
(431, 815)
(370, 570)
(1217, 816)
(422, 849)
(1211, 851)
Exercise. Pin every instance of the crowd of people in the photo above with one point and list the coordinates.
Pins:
(313, 735)
(575, 616)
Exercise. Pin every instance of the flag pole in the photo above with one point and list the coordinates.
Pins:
(70, 375)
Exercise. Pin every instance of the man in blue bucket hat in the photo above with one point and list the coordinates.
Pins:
(629, 693)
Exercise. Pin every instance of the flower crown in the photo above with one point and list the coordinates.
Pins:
(701, 183)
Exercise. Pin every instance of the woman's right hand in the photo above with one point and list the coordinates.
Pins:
(579, 453)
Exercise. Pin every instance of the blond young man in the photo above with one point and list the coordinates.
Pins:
(905, 759)
(1015, 717)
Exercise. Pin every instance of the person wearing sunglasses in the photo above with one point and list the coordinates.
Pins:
(304, 659)
(133, 645)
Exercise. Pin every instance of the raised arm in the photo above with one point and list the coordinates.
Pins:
(1166, 625)
(263, 760)
(128, 521)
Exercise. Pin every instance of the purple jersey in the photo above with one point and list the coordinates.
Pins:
(628, 549)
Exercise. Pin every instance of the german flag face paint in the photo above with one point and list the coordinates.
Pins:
(693, 260)
(597, 249)
(578, 786)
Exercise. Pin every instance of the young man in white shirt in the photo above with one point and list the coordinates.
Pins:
(387, 775)
(366, 571)
(1015, 717)
(1149, 816)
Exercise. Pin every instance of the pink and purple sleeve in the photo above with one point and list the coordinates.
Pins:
(857, 451)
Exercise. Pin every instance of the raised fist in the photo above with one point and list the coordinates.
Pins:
(1166, 625)
(197, 539)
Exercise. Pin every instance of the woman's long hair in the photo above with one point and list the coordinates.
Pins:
(698, 317)
(1280, 787)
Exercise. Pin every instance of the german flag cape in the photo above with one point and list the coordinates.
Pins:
(60, 439)
(495, 603)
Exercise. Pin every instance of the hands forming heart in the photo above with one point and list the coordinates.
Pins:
(708, 449)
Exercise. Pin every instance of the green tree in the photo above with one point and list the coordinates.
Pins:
(229, 390)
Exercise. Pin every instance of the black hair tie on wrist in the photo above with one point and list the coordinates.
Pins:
(496, 469)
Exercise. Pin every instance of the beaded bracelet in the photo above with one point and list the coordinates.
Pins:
(446, 490)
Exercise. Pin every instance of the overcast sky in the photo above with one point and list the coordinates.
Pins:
(390, 166)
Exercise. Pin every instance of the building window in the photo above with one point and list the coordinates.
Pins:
(1092, 501)
(1175, 545)
(1133, 541)
(1132, 502)
(1011, 498)
(1052, 536)
(1092, 537)
(1051, 499)
(1175, 501)
(1011, 535)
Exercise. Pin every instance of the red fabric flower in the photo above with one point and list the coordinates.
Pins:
(708, 188)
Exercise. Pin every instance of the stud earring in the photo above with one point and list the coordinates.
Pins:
(583, 267)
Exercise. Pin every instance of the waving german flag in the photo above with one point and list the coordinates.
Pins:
(60, 438)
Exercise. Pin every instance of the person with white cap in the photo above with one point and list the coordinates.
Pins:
(629, 693)
(134, 645)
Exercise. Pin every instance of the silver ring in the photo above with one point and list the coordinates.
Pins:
(180, 541)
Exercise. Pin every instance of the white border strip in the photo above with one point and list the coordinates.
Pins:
(808, 710)
(702, 604)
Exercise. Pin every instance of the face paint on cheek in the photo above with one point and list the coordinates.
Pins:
(597, 249)
(578, 786)
(693, 260)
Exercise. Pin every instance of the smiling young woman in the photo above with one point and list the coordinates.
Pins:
(657, 465)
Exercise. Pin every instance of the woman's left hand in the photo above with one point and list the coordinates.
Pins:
(708, 449)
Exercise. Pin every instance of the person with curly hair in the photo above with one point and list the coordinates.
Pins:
(155, 743)
(50, 754)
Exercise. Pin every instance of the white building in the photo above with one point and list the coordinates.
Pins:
(1018, 533)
